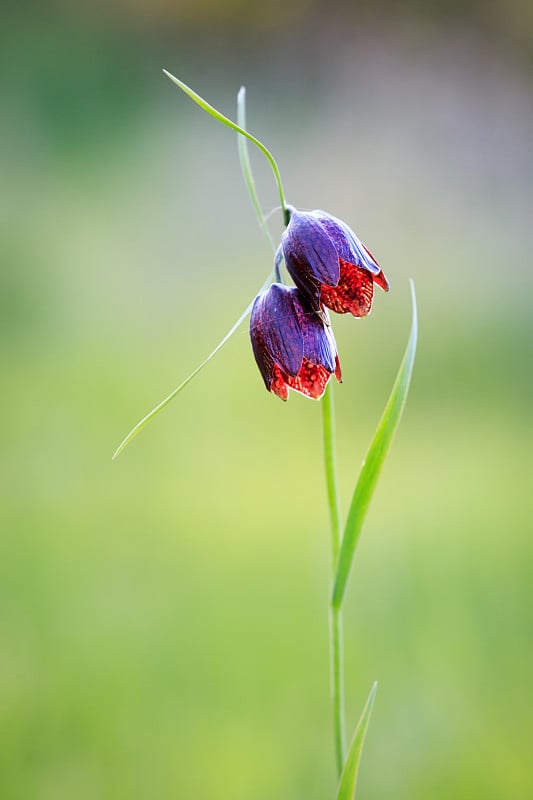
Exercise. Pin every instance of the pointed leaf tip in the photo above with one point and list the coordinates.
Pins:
(375, 458)
(348, 780)
(160, 406)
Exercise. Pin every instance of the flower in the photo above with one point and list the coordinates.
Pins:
(329, 264)
(293, 345)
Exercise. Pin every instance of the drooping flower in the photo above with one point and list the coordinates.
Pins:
(329, 264)
(293, 345)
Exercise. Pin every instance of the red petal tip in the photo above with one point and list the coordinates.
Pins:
(381, 281)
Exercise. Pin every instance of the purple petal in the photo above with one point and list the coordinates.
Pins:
(348, 246)
(263, 358)
(318, 341)
(306, 245)
(306, 283)
(275, 332)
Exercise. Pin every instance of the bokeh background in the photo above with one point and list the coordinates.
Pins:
(163, 625)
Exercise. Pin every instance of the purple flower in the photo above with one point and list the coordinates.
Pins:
(329, 264)
(293, 345)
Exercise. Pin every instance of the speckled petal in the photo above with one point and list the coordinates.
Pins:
(354, 292)
(293, 345)
(311, 380)
(320, 352)
(279, 384)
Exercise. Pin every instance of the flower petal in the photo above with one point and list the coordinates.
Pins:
(338, 373)
(319, 345)
(309, 287)
(381, 281)
(311, 380)
(279, 384)
(354, 292)
(308, 248)
(294, 345)
(275, 331)
(348, 246)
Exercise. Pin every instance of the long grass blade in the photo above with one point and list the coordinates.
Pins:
(246, 167)
(348, 781)
(373, 462)
(209, 109)
(164, 403)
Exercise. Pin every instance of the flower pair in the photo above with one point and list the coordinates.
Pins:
(291, 336)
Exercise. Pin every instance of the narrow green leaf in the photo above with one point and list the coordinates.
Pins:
(230, 124)
(246, 167)
(205, 105)
(348, 781)
(373, 462)
(245, 163)
(160, 406)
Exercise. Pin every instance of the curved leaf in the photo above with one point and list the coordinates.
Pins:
(246, 167)
(373, 462)
(160, 406)
(230, 124)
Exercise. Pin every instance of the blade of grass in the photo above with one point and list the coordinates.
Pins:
(348, 781)
(250, 183)
(373, 462)
(246, 167)
(160, 406)
(230, 124)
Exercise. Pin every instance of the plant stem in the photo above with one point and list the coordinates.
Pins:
(335, 612)
(328, 412)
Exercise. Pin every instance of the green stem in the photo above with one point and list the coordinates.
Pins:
(328, 409)
(335, 613)
(230, 124)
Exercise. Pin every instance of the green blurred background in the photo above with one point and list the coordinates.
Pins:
(163, 625)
